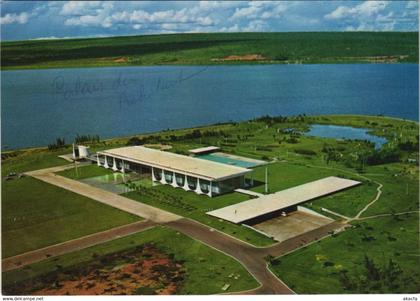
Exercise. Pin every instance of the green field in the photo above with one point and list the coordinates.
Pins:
(207, 48)
(207, 270)
(306, 271)
(36, 214)
(85, 172)
(27, 160)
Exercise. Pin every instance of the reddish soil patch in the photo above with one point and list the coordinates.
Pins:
(143, 271)
(246, 57)
(121, 60)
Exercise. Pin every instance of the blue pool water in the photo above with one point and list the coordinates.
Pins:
(345, 132)
(227, 160)
(37, 106)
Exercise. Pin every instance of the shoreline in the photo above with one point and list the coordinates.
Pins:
(209, 64)
(41, 148)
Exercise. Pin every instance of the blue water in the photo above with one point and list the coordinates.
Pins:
(345, 132)
(227, 160)
(40, 105)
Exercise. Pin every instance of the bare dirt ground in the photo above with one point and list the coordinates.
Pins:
(121, 60)
(144, 270)
(246, 57)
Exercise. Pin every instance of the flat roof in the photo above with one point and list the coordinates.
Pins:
(204, 149)
(276, 201)
(192, 166)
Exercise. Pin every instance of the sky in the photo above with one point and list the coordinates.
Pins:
(24, 20)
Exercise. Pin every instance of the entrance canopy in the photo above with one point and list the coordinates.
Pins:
(266, 204)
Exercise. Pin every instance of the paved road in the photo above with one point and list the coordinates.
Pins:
(252, 258)
(106, 197)
(24, 259)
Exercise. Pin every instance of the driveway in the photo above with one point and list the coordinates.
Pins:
(251, 257)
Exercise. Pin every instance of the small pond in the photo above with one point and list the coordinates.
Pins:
(345, 132)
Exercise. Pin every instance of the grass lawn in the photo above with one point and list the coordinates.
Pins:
(400, 190)
(396, 238)
(84, 172)
(23, 161)
(207, 269)
(36, 214)
(285, 175)
(347, 202)
(195, 207)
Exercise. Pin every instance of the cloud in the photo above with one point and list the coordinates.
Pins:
(21, 18)
(78, 8)
(167, 17)
(89, 13)
(107, 18)
(365, 9)
(256, 26)
(260, 10)
(366, 16)
(233, 28)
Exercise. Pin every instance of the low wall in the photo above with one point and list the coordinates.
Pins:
(309, 211)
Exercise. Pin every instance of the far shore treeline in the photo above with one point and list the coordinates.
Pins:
(214, 48)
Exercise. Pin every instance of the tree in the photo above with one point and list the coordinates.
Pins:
(389, 278)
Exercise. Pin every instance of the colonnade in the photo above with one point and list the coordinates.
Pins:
(188, 183)
(114, 165)
(160, 175)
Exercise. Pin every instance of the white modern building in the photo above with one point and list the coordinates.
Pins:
(189, 173)
(80, 152)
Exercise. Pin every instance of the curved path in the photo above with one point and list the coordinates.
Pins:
(251, 257)
(378, 193)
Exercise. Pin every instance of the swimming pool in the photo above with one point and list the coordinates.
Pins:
(231, 160)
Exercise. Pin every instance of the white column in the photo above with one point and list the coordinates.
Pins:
(106, 162)
(163, 179)
(153, 175)
(174, 183)
(186, 184)
(122, 166)
(97, 160)
(198, 188)
(114, 165)
(74, 152)
(210, 192)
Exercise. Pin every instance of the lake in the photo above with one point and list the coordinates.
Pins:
(345, 132)
(40, 105)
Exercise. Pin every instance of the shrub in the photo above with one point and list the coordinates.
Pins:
(59, 143)
(292, 140)
(328, 264)
(306, 152)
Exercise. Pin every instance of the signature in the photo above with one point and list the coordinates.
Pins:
(129, 90)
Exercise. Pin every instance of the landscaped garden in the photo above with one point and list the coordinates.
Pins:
(39, 214)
